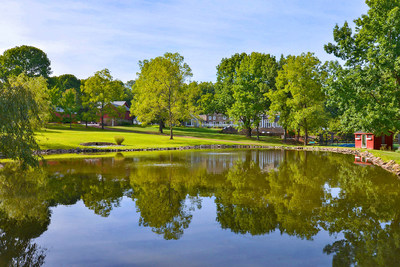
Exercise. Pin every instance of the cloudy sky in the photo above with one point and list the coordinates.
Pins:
(81, 37)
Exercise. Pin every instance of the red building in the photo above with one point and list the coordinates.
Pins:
(121, 114)
(371, 141)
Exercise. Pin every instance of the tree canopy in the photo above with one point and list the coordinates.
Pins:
(24, 59)
(69, 103)
(366, 90)
(242, 83)
(101, 90)
(299, 98)
(159, 93)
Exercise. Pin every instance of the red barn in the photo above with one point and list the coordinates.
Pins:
(371, 141)
(122, 116)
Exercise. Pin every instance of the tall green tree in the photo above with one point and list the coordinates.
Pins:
(159, 90)
(299, 98)
(366, 90)
(100, 90)
(226, 74)
(69, 103)
(253, 79)
(59, 84)
(202, 96)
(24, 59)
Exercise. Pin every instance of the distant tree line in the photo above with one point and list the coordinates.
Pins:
(362, 92)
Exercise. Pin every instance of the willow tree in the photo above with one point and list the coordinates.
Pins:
(159, 93)
(37, 86)
(18, 110)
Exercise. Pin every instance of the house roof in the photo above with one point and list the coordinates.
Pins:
(362, 132)
(120, 104)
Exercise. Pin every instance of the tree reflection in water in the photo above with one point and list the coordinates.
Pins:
(255, 192)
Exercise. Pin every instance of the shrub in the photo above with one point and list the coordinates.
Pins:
(119, 139)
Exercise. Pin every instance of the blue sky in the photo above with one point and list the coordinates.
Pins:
(82, 37)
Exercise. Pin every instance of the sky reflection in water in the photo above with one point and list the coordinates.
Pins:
(193, 208)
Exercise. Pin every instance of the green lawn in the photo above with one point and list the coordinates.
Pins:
(387, 155)
(61, 137)
(207, 133)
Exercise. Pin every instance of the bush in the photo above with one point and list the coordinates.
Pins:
(119, 139)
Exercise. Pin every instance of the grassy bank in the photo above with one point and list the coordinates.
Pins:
(57, 136)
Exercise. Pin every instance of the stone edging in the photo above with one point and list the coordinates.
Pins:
(390, 166)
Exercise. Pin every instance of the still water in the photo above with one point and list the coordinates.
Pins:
(201, 208)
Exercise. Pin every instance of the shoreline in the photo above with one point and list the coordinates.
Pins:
(390, 166)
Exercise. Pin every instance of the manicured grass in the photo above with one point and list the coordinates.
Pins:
(387, 155)
(207, 133)
(61, 137)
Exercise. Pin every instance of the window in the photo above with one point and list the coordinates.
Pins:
(214, 118)
(224, 117)
(209, 118)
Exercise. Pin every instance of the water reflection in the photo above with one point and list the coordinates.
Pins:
(255, 192)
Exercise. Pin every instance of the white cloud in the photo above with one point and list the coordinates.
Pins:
(81, 37)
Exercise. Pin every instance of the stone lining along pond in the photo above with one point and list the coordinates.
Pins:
(201, 208)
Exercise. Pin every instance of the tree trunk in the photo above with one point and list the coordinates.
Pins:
(285, 135)
(70, 120)
(161, 126)
(305, 137)
(298, 135)
(171, 135)
(248, 131)
(102, 121)
(86, 123)
(258, 132)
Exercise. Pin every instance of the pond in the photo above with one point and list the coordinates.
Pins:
(201, 208)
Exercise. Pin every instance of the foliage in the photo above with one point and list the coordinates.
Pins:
(202, 97)
(18, 111)
(159, 90)
(60, 84)
(299, 98)
(366, 90)
(100, 90)
(242, 83)
(128, 91)
(226, 71)
(119, 139)
(69, 103)
(38, 87)
(24, 59)
(253, 79)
